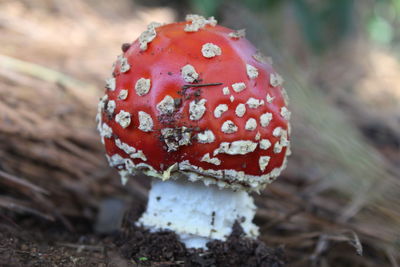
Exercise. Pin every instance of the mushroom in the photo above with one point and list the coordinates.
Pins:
(197, 108)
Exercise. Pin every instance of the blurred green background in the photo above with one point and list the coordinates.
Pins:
(323, 23)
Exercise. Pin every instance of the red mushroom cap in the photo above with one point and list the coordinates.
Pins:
(196, 98)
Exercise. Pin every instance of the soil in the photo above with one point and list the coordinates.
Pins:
(35, 242)
(164, 249)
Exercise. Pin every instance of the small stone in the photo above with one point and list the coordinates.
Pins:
(110, 215)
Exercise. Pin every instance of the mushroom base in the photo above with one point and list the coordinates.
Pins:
(198, 213)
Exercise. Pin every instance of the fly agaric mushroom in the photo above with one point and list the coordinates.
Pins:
(196, 107)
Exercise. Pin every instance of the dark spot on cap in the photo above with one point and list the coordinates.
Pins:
(197, 93)
(158, 198)
(125, 47)
(177, 102)
(169, 73)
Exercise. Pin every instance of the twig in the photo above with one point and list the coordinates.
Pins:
(392, 257)
(287, 217)
(23, 183)
(200, 85)
(40, 72)
(81, 247)
(9, 220)
(78, 89)
(18, 206)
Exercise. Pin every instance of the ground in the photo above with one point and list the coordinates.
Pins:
(35, 243)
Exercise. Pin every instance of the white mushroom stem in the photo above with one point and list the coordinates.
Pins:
(198, 213)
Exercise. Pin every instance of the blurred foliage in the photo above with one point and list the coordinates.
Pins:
(325, 23)
(206, 7)
(384, 21)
